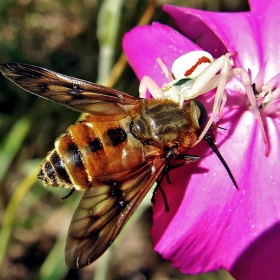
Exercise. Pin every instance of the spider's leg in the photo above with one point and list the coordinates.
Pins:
(208, 79)
(253, 101)
(149, 84)
(219, 96)
(224, 100)
(164, 69)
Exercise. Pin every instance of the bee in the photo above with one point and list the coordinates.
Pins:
(114, 155)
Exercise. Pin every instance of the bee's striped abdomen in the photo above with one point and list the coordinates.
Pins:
(53, 171)
(89, 150)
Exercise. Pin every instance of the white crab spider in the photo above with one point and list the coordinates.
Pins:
(195, 73)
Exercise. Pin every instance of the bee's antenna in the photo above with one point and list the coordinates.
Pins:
(210, 140)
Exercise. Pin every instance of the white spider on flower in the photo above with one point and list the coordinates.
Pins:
(197, 73)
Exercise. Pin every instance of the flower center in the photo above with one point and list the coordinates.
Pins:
(268, 97)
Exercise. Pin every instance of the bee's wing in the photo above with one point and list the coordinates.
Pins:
(77, 94)
(104, 210)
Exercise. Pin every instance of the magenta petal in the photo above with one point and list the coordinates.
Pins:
(269, 36)
(263, 7)
(144, 44)
(212, 225)
(219, 33)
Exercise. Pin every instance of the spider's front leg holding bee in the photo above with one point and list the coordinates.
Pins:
(195, 74)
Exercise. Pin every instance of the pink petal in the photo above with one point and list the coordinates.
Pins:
(143, 45)
(212, 225)
(269, 34)
(263, 7)
(219, 33)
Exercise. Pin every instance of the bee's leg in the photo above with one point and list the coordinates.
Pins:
(158, 187)
(169, 156)
(163, 174)
(187, 159)
(69, 194)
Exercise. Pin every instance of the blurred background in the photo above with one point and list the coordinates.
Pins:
(80, 38)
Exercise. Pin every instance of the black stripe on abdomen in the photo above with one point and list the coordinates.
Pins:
(116, 135)
(59, 166)
(95, 145)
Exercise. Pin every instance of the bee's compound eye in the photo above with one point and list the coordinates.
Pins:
(201, 113)
(191, 64)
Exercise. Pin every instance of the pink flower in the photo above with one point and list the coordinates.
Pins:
(210, 224)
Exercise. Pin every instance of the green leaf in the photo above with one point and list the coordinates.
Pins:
(12, 143)
(108, 27)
